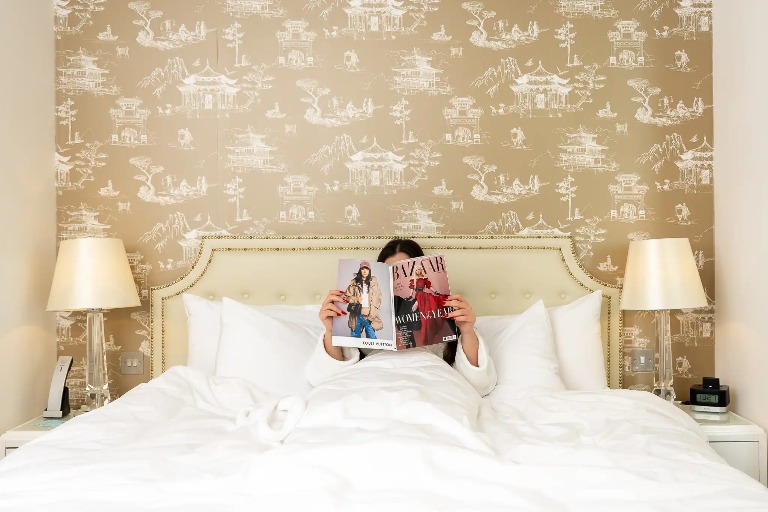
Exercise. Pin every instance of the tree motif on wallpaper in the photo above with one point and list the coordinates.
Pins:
(234, 39)
(174, 71)
(340, 114)
(670, 113)
(235, 189)
(568, 38)
(66, 10)
(567, 190)
(402, 115)
(247, 8)
(422, 158)
(258, 78)
(66, 112)
(503, 191)
(587, 235)
(142, 318)
(169, 36)
(170, 190)
(503, 38)
(87, 160)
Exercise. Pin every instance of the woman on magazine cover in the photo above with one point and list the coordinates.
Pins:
(364, 297)
(427, 300)
(468, 355)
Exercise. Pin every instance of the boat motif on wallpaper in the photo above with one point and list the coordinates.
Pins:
(606, 112)
(442, 189)
(581, 152)
(295, 45)
(247, 8)
(585, 8)
(168, 35)
(298, 200)
(669, 112)
(498, 36)
(463, 122)
(107, 35)
(129, 123)
(628, 199)
(338, 112)
(628, 45)
(171, 189)
(500, 189)
(275, 112)
(587, 235)
(108, 190)
(607, 265)
(416, 221)
(71, 16)
(415, 75)
(82, 74)
(440, 36)
(250, 152)
(507, 224)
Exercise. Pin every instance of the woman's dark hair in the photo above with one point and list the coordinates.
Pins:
(359, 277)
(414, 250)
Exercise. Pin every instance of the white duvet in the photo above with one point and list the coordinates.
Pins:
(395, 432)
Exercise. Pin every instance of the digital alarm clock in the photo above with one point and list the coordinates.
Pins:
(710, 396)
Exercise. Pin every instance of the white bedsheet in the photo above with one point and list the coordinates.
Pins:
(396, 432)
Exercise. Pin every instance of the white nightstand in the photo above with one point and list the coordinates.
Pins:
(739, 441)
(28, 431)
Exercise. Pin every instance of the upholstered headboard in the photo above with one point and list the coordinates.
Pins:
(497, 274)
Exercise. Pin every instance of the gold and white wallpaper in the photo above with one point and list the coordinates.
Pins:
(181, 118)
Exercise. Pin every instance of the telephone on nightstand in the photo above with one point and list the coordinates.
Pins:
(58, 396)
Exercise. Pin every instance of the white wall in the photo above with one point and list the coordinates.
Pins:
(741, 215)
(27, 208)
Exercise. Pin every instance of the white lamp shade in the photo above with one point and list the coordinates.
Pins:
(661, 274)
(92, 273)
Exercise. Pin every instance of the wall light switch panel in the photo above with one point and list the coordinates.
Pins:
(131, 363)
(642, 359)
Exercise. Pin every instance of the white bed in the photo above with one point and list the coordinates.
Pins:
(389, 433)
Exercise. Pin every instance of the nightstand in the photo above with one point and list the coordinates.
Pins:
(739, 441)
(28, 431)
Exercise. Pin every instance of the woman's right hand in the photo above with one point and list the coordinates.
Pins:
(329, 310)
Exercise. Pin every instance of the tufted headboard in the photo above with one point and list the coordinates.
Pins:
(497, 274)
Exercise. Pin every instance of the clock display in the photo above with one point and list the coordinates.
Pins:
(709, 399)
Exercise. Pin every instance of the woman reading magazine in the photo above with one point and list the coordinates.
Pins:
(469, 355)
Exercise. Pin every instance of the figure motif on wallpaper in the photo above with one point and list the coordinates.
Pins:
(441, 36)
(457, 206)
(587, 235)
(588, 8)
(298, 200)
(442, 189)
(295, 45)
(129, 123)
(247, 8)
(339, 112)
(171, 190)
(416, 220)
(108, 190)
(249, 151)
(581, 152)
(416, 75)
(628, 45)
(681, 62)
(107, 35)
(169, 35)
(352, 215)
(622, 129)
(683, 367)
(670, 113)
(499, 36)
(606, 112)
(82, 10)
(503, 191)
(123, 52)
(184, 139)
(124, 207)
(289, 129)
(463, 122)
(682, 214)
(516, 139)
(701, 259)
(508, 224)
(351, 62)
(275, 112)
(457, 52)
(628, 199)
(82, 74)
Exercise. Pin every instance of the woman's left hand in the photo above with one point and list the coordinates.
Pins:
(462, 313)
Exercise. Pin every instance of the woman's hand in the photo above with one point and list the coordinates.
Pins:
(465, 320)
(328, 311)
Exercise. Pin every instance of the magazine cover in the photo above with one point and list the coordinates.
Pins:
(420, 286)
(369, 322)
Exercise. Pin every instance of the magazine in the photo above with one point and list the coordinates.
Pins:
(393, 307)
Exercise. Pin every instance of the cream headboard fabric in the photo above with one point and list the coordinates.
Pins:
(497, 274)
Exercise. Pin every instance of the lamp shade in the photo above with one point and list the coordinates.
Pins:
(92, 273)
(661, 274)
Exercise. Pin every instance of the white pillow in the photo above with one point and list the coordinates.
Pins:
(579, 344)
(204, 326)
(266, 350)
(523, 350)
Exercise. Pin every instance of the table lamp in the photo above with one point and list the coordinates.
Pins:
(93, 274)
(660, 275)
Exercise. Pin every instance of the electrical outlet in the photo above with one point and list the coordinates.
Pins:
(131, 363)
(642, 360)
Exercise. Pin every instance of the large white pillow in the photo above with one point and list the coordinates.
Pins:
(204, 326)
(266, 350)
(523, 350)
(579, 343)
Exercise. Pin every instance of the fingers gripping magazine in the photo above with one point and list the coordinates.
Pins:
(393, 307)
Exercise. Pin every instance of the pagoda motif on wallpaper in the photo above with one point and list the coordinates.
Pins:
(416, 75)
(592, 8)
(140, 272)
(245, 8)
(416, 221)
(541, 228)
(582, 152)
(63, 172)
(628, 198)
(82, 221)
(298, 200)
(129, 123)
(295, 45)
(382, 18)
(541, 93)
(208, 92)
(627, 45)
(190, 243)
(697, 326)
(694, 17)
(250, 152)
(375, 170)
(696, 169)
(168, 35)
(81, 74)
(463, 121)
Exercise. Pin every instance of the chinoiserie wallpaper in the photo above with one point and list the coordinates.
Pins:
(181, 118)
